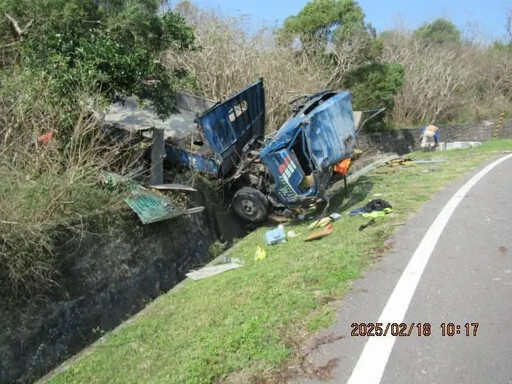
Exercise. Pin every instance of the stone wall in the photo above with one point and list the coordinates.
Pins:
(403, 141)
(108, 272)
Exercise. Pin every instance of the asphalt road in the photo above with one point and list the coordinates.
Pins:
(468, 279)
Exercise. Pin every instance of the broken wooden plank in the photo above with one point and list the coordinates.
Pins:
(322, 233)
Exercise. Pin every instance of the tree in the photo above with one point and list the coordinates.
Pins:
(439, 31)
(327, 21)
(375, 86)
(109, 46)
(336, 34)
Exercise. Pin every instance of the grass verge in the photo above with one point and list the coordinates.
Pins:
(242, 325)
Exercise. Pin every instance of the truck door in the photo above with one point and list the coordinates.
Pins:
(230, 126)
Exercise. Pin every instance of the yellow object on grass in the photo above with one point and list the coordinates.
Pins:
(320, 223)
(260, 254)
(374, 214)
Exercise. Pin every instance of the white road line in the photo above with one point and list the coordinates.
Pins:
(372, 362)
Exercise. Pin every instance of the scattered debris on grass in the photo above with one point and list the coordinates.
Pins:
(275, 236)
(260, 254)
(366, 225)
(212, 271)
(320, 223)
(373, 205)
(374, 214)
(399, 161)
(320, 234)
(410, 161)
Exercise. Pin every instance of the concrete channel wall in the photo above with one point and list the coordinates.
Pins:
(403, 141)
(109, 271)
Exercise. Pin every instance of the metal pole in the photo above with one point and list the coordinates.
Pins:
(157, 157)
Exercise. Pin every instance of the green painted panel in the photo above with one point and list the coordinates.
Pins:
(152, 208)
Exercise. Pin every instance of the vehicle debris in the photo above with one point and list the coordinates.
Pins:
(173, 187)
(410, 161)
(275, 236)
(157, 157)
(366, 225)
(375, 214)
(212, 271)
(151, 208)
(320, 234)
(373, 205)
(399, 161)
(320, 223)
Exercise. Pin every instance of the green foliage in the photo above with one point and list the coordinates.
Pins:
(500, 46)
(375, 86)
(439, 31)
(107, 46)
(326, 21)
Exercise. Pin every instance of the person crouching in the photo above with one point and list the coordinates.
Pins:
(430, 137)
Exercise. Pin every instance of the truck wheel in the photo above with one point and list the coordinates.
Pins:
(250, 204)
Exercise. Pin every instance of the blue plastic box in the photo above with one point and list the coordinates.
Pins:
(275, 236)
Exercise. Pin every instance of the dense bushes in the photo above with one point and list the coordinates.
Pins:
(448, 81)
(59, 59)
(106, 46)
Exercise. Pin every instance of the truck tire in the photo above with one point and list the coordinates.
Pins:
(250, 204)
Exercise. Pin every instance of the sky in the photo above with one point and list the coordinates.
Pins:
(488, 17)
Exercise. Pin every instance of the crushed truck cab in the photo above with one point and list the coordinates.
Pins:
(301, 155)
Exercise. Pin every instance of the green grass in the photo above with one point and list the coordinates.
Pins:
(249, 321)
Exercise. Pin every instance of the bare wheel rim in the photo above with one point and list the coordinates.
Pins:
(248, 207)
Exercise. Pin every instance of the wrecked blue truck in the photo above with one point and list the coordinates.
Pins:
(281, 172)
